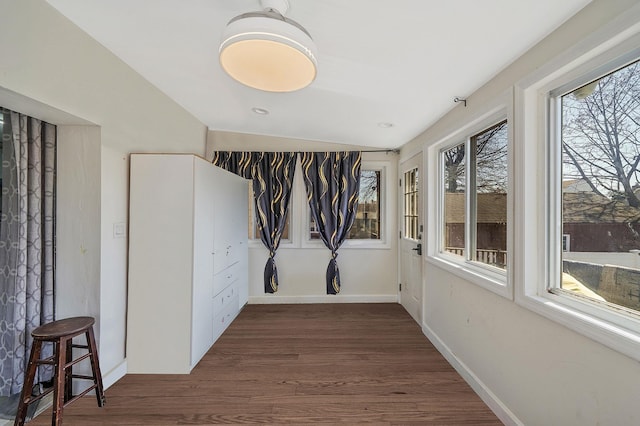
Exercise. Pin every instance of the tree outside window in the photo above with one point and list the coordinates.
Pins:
(475, 175)
(600, 131)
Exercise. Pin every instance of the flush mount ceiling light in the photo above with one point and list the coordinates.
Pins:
(267, 51)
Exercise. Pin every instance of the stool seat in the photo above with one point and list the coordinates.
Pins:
(64, 327)
(61, 333)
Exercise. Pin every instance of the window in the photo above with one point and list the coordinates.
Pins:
(453, 161)
(411, 204)
(253, 226)
(474, 207)
(599, 207)
(578, 175)
(367, 224)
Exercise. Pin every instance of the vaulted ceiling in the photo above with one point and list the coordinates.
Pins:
(387, 70)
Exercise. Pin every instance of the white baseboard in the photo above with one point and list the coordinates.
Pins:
(269, 299)
(114, 374)
(496, 405)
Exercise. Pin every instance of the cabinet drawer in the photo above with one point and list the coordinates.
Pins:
(225, 278)
(222, 299)
(224, 318)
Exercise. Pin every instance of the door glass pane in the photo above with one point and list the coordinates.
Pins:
(411, 204)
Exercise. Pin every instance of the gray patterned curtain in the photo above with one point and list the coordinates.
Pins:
(26, 243)
(332, 180)
(272, 177)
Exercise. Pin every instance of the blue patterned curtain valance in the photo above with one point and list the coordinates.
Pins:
(237, 162)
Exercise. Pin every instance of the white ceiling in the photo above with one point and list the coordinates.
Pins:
(380, 61)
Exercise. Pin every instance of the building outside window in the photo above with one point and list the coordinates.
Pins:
(474, 185)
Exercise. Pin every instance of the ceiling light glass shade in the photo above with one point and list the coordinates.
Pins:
(267, 51)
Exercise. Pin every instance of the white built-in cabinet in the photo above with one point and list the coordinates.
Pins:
(187, 259)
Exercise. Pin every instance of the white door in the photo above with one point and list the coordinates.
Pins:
(411, 241)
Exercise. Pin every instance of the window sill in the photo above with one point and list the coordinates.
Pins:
(257, 243)
(556, 308)
(347, 245)
(476, 274)
(351, 244)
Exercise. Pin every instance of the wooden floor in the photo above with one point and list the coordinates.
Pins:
(300, 364)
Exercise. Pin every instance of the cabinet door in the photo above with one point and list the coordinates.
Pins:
(231, 223)
(238, 227)
(203, 248)
(226, 213)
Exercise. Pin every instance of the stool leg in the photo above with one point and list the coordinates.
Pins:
(27, 388)
(68, 372)
(95, 367)
(59, 380)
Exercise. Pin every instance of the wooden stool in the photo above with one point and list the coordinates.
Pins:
(61, 334)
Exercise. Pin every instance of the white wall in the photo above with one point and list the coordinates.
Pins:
(51, 69)
(113, 260)
(78, 213)
(528, 367)
(530, 370)
(367, 274)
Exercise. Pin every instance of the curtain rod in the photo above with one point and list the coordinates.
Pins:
(395, 151)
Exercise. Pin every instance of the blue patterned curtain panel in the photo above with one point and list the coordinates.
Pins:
(272, 177)
(272, 184)
(332, 180)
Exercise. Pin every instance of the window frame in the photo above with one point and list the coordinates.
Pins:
(381, 243)
(538, 229)
(491, 278)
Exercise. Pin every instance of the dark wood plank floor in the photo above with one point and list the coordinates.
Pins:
(300, 364)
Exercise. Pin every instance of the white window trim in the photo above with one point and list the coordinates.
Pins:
(385, 207)
(537, 235)
(485, 276)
